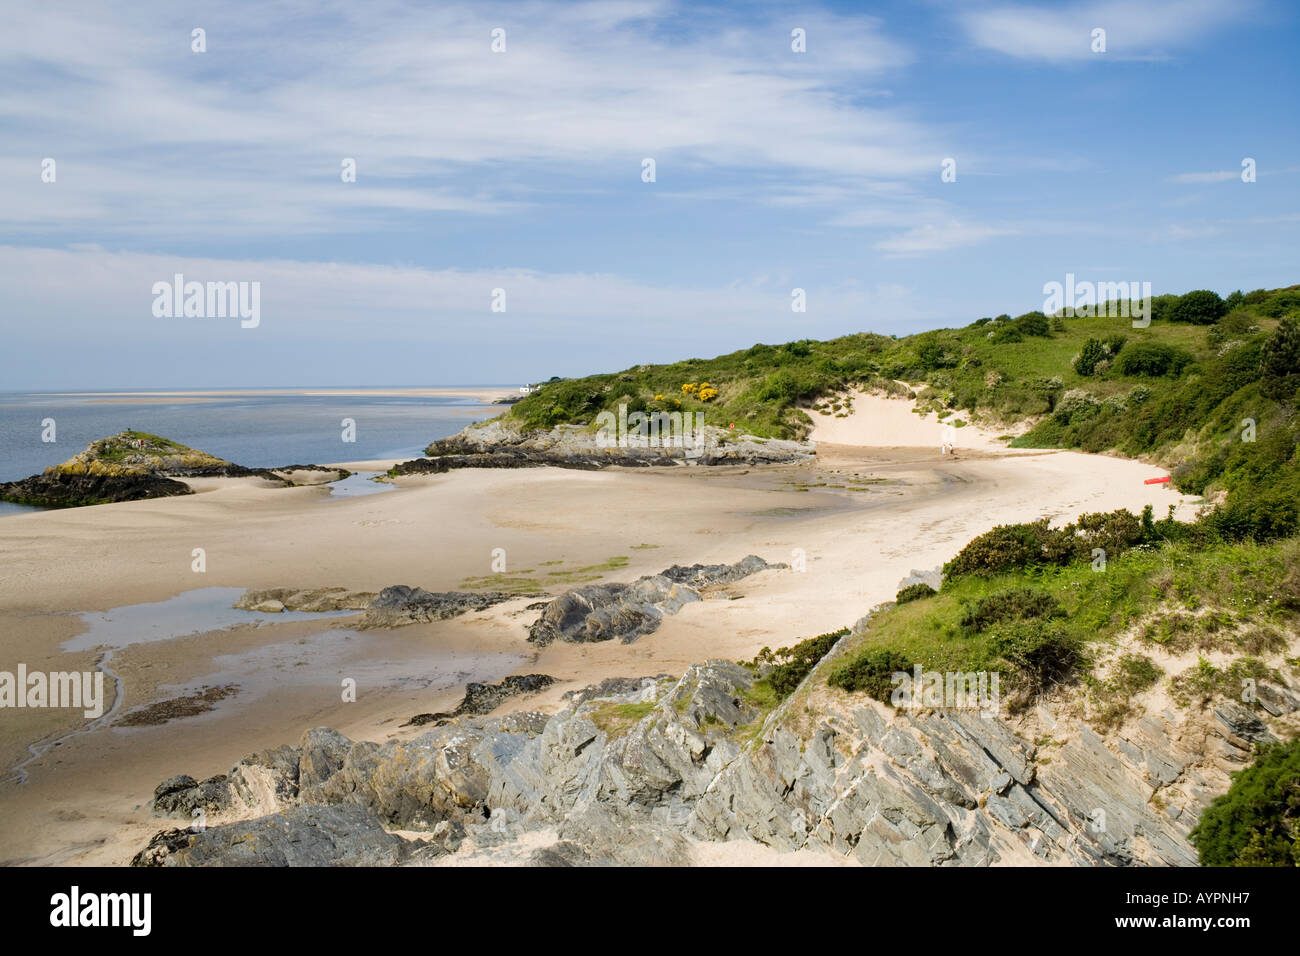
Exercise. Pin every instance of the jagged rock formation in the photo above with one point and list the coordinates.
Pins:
(604, 612)
(636, 771)
(485, 698)
(300, 836)
(399, 605)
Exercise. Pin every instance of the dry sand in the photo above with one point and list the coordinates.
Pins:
(872, 507)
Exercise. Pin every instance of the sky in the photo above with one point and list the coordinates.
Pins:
(505, 147)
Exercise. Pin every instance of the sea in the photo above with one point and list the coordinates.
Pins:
(258, 428)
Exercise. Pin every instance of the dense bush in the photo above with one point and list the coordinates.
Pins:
(790, 665)
(1005, 548)
(1076, 405)
(914, 592)
(1013, 604)
(936, 354)
(1092, 354)
(1201, 307)
(1042, 650)
(1153, 359)
(1259, 513)
(871, 672)
(1281, 303)
(1033, 323)
(1014, 546)
(1280, 362)
(1257, 822)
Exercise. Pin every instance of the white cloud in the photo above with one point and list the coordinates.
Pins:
(1219, 176)
(248, 136)
(940, 237)
(1063, 32)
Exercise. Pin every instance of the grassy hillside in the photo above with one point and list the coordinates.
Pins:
(1208, 390)
(1029, 602)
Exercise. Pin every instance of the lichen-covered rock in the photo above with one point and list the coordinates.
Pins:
(400, 605)
(606, 612)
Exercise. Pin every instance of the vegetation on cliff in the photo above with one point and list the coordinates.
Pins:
(1257, 822)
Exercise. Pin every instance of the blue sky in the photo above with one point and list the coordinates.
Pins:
(522, 170)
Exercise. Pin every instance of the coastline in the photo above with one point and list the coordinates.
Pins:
(863, 515)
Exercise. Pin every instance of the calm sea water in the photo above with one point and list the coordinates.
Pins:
(249, 429)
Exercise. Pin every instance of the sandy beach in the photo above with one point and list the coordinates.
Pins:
(878, 501)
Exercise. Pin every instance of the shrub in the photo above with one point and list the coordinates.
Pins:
(1281, 303)
(934, 354)
(1200, 307)
(1280, 362)
(1093, 352)
(914, 592)
(1004, 548)
(1258, 513)
(1033, 323)
(1153, 359)
(1075, 405)
(871, 672)
(793, 664)
(1257, 822)
(1043, 652)
(1010, 547)
(1012, 604)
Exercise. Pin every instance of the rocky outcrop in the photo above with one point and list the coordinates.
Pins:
(635, 772)
(527, 458)
(275, 600)
(394, 606)
(502, 443)
(131, 466)
(605, 612)
(71, 491)
(399, 605)
(485, 698)
(299, 836)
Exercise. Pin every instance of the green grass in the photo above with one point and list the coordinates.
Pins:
(617, 719)
(1249, 588)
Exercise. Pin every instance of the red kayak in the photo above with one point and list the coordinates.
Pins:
(1156, 481)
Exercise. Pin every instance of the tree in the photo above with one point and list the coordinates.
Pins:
(1200, 307)
(1280, 362)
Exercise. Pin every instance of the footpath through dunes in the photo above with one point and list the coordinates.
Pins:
(849, 539)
